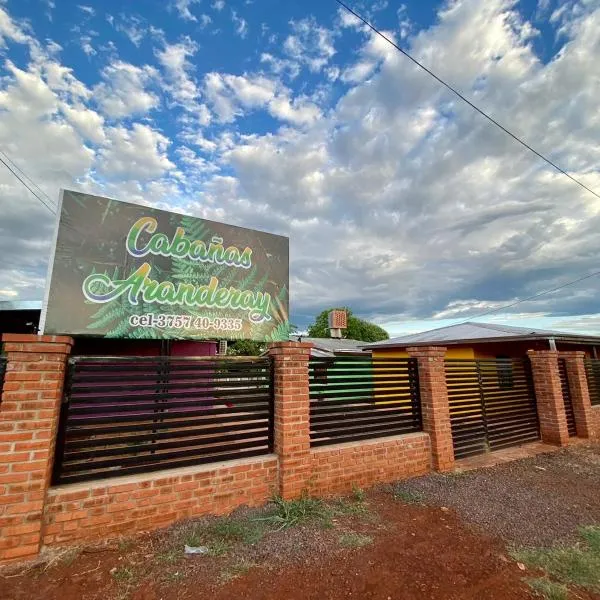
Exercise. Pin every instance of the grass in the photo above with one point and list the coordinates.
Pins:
(572, 565)
(355, 540)
(408, 496)
(236, 570)
(170, 555)
(124, 575)
(548, 589)
(291, 513)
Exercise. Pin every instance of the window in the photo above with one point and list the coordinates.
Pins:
(504, 368)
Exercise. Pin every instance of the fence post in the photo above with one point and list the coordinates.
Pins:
(580, 395)
(435, 408)
(29, 411)
(549, 396)
(292, 415)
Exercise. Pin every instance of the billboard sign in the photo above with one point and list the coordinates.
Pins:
(123, 270)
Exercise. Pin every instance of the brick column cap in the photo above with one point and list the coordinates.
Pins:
(31, 338)
(542, 353)
(290, 348)
(571, 353)
(431, 350)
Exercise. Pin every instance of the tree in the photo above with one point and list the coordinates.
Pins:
(358, 329)
(245, 348)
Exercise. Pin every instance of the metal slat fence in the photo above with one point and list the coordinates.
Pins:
(566, 392)
(357, 398)
(492, 404)
(592, 368)
(136, 414)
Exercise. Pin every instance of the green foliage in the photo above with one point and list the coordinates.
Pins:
(548, 589)
(290, 513)
(358, 329)
(245, 348)
(578, 565)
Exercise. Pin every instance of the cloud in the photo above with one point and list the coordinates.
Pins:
(310, 44)
(139, 152)
(86, 45)
(218, 4)
(88, 10)
(240, 24)
(183, 9)
(174, 59)
(10, 31)
(400, 201)
(231, 96)
(132, 26)
(123, 91)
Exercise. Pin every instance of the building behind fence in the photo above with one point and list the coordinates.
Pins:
(94, 447)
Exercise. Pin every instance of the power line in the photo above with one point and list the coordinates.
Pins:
(25, 184)
(31, 181)
(464, 99)
(560, 287)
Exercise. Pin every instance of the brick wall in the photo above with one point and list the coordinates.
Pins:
(595, 423)
(549, 398)
(111, 507)
(32, 513)
(292, 414)
(580, 396)
(29, 410)
(435, 408)
(337, 469)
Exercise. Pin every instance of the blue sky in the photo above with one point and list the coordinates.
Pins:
(399, 200)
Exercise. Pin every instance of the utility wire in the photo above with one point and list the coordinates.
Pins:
(25, 184)
(560, 287)
(464, 99)
(512, 135)
(23, 174)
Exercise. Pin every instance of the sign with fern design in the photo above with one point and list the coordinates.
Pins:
(123, 270)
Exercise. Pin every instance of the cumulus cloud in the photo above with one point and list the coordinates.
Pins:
(310, 43)
(231, 96)
(124, 90)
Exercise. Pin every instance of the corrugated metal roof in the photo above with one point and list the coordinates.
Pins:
(330, 345)
(471, 331)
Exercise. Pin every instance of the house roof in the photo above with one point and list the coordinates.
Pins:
(481, 333)
(329, 346)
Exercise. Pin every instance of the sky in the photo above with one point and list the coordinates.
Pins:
(400, 201)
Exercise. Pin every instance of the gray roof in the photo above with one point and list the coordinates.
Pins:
(480, 332)
(329, 346)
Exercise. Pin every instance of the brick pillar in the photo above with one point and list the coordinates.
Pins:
(29, 412)
(434, 404)
(549, 397)
(292, 412)
(580, 395)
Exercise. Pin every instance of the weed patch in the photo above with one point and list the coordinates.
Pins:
(408, 496)
(355, 540)
(290, 513)
(578, 564)
(548, 589)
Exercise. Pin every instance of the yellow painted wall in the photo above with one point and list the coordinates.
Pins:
(454, 352)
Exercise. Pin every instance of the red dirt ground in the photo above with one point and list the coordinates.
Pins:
(417, 552)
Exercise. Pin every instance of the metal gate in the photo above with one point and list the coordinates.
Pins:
(566, 392)
(492, 404)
